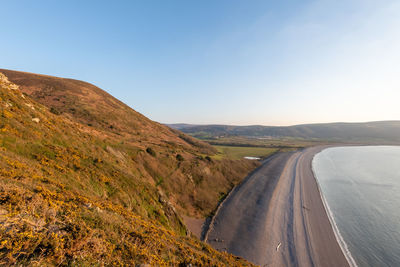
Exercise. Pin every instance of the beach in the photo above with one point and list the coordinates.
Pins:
(276, 216)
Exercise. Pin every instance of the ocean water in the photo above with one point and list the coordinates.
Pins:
(361, 187)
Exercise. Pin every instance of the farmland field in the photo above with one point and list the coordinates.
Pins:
(238, 152)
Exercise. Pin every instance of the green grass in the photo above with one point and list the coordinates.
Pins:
(239, 152)
(282, 143)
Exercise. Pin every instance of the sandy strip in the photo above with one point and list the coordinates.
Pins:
(276, 217)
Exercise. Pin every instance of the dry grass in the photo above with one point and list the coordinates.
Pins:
(74, 194)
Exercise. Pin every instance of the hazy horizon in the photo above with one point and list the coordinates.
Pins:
(278, 125)
(225, 62)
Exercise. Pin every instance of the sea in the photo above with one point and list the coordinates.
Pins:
(360, 187)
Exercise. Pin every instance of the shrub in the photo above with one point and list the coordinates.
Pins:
(55, 111)
(179, 157)
(151, 151)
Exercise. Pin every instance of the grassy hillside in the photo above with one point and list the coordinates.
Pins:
(381, 132)
(86, 180)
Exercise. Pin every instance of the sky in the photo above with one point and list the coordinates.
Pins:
(218, 61)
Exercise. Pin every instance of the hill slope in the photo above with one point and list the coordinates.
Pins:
(381, 132)
(88, 104)
(74, 190)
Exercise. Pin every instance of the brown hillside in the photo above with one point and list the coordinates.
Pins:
(94, 107)
(193, 185)
(74, 190)
(70, 198)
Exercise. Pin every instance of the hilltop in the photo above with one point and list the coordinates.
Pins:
(87, 180)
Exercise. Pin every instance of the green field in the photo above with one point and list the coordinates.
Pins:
(238, 152)
(242, 141)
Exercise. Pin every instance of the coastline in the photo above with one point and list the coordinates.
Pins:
(355, 183)
(326, 248)
(277, 217)
(339, 237)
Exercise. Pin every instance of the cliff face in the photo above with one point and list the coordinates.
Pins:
(85, 179)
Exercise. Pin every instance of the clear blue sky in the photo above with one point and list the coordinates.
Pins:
(229, 62)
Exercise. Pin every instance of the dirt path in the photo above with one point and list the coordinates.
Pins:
(276, 217)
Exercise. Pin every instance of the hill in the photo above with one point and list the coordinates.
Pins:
(86, 180)
(380, 132)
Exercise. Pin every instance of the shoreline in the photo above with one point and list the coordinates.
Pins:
(277, 216)
(322, 229)
(339, 238)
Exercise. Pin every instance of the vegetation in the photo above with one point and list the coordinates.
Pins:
(239, 152)
(179, 157)
(151, 151)
(280, 143)
(75, 191)
(380, 132)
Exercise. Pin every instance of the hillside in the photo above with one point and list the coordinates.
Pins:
(86, 180)
(381, 132)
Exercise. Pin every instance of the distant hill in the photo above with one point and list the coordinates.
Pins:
(88, 181)
(384, 132)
